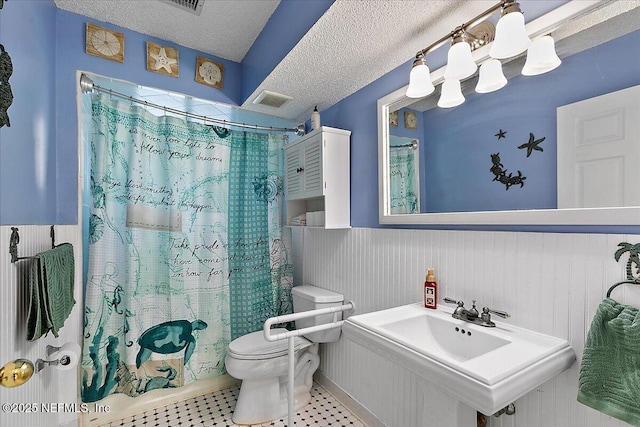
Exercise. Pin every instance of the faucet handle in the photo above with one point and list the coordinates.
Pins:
(453, 301)
(502, 314)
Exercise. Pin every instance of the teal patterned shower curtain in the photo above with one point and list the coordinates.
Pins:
(404, 183)
(186, 249)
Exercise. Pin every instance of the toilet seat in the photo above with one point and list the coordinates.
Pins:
(254, 346)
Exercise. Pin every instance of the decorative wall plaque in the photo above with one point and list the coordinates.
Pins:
(209, 72)
(104, 43)
(162, 59)
(410, 120)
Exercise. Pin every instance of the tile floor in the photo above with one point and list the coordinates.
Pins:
(215, 409)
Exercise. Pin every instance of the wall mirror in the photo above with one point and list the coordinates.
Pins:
(499, 158)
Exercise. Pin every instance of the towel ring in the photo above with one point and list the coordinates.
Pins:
(631, 282)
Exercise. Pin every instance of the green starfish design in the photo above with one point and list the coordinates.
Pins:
(532, 144)
(501, 134)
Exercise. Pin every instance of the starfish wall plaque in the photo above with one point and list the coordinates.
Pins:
(162, 59)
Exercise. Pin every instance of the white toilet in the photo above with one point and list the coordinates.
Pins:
(262, 365)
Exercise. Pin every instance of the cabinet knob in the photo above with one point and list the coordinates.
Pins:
(299, 170)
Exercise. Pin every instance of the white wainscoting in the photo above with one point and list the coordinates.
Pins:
(548, 282)
(49, 386)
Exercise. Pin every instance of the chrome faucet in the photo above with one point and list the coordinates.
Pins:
(472, 315)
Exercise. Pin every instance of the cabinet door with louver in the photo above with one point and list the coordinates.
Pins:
(312, 176)
(294, 169)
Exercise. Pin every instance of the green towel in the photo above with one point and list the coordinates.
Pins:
(51, 299)
(610, 371)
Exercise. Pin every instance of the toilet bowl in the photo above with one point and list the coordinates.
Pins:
(263, 365)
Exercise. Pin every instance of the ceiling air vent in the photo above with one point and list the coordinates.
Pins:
(271, 99)
(193, 6)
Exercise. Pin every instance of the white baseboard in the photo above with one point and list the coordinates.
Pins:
(122, 406)
(355, 407)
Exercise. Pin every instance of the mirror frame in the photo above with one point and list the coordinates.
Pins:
(574, 216)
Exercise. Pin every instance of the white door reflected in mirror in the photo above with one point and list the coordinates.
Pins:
(599, 151)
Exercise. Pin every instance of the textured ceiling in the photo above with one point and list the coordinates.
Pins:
(356, 42)
(353, 44)
(225, 28)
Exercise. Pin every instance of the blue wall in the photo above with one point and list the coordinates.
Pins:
(358, 114)
(39, 152)
(460, 141)
(28, 147)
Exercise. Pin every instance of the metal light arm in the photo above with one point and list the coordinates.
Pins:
(463, 27)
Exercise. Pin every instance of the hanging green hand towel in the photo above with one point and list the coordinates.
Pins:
(51, 291)
(610, 371)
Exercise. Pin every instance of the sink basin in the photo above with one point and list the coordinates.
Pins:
(487, 368)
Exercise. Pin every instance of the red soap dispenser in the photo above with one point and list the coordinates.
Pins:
(430, 290)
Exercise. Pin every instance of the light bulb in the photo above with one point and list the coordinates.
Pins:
(491, 77)
(460, 63)
(420, 84)
(511, 37)
(541, 57)
(451, 95)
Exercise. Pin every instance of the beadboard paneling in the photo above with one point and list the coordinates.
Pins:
(49, 385)
(549, 282)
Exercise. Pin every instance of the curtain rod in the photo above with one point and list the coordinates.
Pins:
(87, 86)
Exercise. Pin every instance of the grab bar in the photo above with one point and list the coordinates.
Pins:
(303, 315)
(290, 336)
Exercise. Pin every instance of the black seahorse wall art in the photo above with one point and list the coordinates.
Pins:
(6, 95)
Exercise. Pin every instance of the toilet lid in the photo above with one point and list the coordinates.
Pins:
(255, 346)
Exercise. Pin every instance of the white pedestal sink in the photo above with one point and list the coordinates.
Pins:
(486, 368)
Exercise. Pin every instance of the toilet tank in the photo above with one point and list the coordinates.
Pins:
(309, 297)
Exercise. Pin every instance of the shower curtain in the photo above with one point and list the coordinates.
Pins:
(186, 249)
(404, 185)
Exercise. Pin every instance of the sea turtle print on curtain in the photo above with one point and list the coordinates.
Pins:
(158, 302)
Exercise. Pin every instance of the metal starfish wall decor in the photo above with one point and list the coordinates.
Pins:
(533, 144)
(6, 95)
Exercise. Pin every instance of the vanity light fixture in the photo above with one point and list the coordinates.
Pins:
(509, 39)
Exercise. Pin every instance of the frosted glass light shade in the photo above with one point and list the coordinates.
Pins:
(511, 37)
(460, 63)
(491, 77)
(451, 95)
(420, 84)
(541, 57)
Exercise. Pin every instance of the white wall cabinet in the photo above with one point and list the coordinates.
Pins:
(317, 177)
